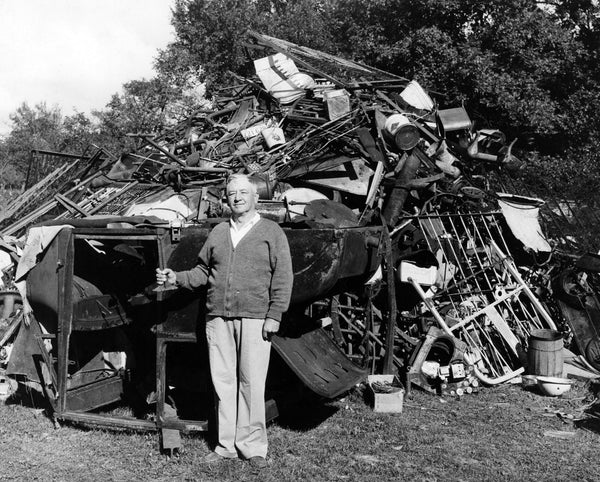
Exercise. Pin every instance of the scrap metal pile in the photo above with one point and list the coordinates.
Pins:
(336, 143)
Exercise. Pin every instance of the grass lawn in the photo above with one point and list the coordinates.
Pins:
(501, 433)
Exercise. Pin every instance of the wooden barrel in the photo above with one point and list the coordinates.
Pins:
(545, 353)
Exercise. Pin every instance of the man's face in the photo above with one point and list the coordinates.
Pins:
(241, 197)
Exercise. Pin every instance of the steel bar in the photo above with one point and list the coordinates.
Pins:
(60, 154)
(514, 271)
(451, 215)
(465, 321)
(163, 150)
(429, 303)
(465, 255)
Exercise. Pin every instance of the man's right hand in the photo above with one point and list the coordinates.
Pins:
(166, 275)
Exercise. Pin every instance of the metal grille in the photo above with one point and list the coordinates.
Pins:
(483, 300)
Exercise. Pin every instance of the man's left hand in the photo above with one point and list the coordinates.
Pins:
(270, 327)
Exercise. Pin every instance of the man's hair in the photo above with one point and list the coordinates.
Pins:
(242, 177)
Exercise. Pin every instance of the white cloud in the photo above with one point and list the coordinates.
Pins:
(76, 53)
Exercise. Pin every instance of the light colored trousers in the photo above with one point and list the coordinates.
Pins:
(239, 359)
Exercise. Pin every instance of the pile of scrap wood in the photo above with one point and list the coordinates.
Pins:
(331, 142)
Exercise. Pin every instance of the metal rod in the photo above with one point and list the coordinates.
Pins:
(464, 253)
(163, 150)
(441, 247)
(481, 312)
(478, 345)
(429, 303)
(513, 270)
(475, 247)
(451, 215)
(59, 154)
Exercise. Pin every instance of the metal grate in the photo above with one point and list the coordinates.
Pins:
(482, 300)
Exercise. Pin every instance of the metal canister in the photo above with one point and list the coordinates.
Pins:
(404, 134)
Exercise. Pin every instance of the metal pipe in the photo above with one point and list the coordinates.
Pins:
(515, 272)
(429, 303)
(472, 317)
(496, 381)
(59, 154)
(399, 194)
(450, 215)
(482, 243)
(465, 256)
(161, 149)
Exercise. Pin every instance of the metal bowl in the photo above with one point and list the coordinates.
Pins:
(554, 386)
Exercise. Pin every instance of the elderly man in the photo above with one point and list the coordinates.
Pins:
(247, 266)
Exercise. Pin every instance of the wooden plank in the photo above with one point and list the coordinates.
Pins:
(318, 55)
(112, 197)
(108, 421)
(69, 205)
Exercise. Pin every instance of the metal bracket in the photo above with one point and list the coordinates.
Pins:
(175, 228)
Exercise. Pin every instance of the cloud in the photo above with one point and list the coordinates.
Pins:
(76, 53)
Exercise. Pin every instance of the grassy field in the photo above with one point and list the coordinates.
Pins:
(502, 433)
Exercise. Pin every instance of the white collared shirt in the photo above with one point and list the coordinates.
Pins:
(238, 234)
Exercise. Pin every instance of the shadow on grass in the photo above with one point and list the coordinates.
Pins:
(299, 408)
(589, 424)
(305, 414)
(27, 396)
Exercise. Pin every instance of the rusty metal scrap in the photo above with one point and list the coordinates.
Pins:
(335, 144)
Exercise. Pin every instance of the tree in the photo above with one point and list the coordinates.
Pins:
(512, 63)
(210, 34)
(139, 108)
(530, 68)
(42, 128)
(37, 127)
(147, 106)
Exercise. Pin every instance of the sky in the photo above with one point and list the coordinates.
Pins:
(76, 53)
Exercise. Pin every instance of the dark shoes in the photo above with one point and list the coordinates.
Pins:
(257, 462)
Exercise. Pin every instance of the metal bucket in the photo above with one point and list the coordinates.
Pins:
(404, 134)
(545, 353)
(273, 136)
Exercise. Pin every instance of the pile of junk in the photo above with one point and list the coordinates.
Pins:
(417, 250)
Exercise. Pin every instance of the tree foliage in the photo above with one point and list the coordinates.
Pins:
(530, 68)
(512, 63)
(38, 127)
(210, 34)
(140, 107)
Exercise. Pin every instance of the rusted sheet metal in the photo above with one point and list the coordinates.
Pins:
(322, 259)
(92, 286)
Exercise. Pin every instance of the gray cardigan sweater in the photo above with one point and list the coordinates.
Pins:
(252, 280)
